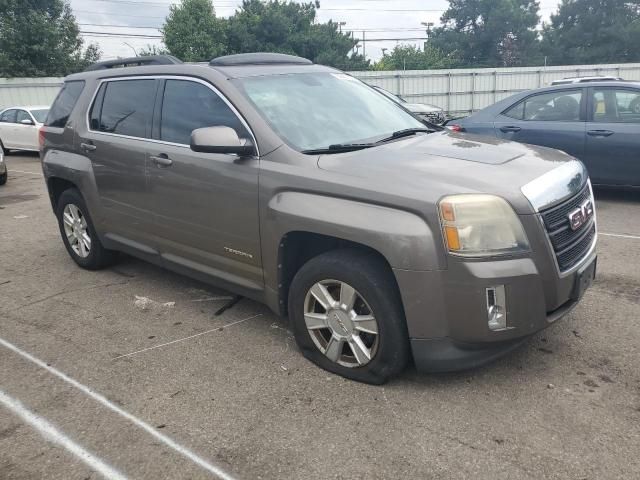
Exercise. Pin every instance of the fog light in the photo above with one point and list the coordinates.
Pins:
(496, 308)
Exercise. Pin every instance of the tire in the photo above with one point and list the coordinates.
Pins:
(334, 331)
(3, 178)
(96, 256)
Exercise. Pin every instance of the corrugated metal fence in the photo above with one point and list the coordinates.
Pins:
(462, 91)
(458, 91)
(28, 91)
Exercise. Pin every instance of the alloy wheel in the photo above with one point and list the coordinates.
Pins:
(341, 323)
(76, 230)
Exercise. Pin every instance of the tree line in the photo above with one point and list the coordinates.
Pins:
(41, 37)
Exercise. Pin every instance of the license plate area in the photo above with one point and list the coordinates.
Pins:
(584, 279)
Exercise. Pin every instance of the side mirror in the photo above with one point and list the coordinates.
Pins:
(221, 140)
(26, 121)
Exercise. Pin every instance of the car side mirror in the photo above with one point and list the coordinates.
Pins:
(26, 121)
(221, 140)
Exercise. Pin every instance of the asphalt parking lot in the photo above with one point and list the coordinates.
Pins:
(131, 369)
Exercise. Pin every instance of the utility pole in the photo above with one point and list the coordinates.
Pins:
(340, 25)
(364, 44)
(428, 26)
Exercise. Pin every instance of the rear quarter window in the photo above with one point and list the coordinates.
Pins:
(63, 104)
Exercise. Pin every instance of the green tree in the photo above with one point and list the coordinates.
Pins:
(41, 38)
(593, 31)
(193, 33)
(289, 27)
(152, 50)
(490, 32)
(410, 57)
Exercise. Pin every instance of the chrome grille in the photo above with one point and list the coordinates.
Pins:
(570, 246)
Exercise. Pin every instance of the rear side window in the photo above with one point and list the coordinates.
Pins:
(8, 117)
(188, 106)
(64, 103)
(127, 108)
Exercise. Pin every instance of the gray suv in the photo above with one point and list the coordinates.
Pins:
(299, 186)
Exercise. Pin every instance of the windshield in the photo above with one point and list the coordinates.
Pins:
(312, 111)
(40, 115)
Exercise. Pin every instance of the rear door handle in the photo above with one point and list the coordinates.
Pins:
(161, 160)
(88, 147)
(600, 133)
(510, 129)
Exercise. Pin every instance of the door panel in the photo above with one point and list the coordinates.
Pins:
(117, 146)
(7, 128)
(613, 136)
(26, 136)
(551, 119)
(205, 205)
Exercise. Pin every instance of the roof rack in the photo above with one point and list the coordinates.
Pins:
(258, 59)
(134, 62)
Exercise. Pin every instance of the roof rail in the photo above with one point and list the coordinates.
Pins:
(258, 59)
(134, 62)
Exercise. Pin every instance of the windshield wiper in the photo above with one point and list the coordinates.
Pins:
(339, 148)
(407, 132)
(352, 147)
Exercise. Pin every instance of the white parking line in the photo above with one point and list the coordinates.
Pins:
(22, 171)
(185, 452)
(54, 435)
(617, 235)
(189, 337)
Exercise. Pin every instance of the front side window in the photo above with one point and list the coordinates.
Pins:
(127, 108)
(612, 105)
(561, 106)
(64, 103)
(187, 106)
(316, 110)
(8, 117)
(22, 115)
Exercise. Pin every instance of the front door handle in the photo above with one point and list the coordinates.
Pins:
(600, 133)
(161, 160)
(510, 129)
(88, 147)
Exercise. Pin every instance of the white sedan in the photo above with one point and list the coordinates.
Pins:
(19, 128)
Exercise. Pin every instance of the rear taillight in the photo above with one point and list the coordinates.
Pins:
(454, 127)
(41, 138)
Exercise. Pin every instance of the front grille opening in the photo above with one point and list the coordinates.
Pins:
(570, 246)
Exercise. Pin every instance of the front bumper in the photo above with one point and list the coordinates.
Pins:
(446, 310)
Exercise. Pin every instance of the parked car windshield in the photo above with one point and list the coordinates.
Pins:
(40, 114)
(312, 111)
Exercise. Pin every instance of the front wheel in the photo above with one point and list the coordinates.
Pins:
(78, 233)
(347, 316)
(3, 178)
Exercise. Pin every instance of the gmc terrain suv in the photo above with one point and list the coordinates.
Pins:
(299, 186)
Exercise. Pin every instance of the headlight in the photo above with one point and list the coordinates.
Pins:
(481, 225)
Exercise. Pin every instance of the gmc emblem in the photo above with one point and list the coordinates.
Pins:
(581, 215)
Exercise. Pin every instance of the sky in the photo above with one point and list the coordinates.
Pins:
(375, 20)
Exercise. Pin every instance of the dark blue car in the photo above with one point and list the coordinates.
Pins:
(598, 123)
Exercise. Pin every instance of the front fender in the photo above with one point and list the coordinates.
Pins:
(403, 238)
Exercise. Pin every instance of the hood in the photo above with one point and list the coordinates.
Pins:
(427, 167)
(421, 108)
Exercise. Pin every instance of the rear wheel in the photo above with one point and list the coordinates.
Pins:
(3, 178)
(78, 233)
(347, 316)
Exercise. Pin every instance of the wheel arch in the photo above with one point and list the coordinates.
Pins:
(298, 226)
(298, 247)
